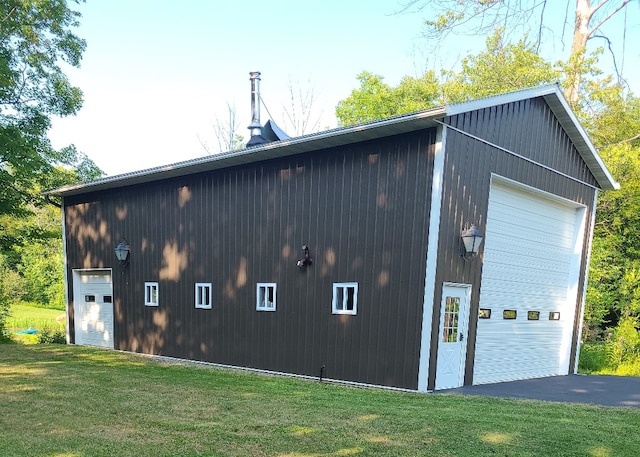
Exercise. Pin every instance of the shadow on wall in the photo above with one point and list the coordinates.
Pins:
(153, 340)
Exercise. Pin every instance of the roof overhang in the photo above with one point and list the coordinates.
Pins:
(358, 133)
(316, 141)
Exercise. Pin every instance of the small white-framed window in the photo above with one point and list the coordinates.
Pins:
(345, 298)
(266, 296)
(203, 295)
(151, 294)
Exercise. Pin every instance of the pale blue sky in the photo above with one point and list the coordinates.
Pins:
(158, 73)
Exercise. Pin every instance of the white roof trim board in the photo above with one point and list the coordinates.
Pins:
(354, 134)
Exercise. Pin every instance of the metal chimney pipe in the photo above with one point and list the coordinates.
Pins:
(255, 128)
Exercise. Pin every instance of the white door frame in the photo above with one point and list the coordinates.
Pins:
(452, 355)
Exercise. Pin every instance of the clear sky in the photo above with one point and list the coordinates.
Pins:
(157, 74)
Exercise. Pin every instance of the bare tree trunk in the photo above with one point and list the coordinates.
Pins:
(581, 34)
(585, 27)
(226, 133)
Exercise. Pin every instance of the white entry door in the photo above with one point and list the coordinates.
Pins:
(452, 339)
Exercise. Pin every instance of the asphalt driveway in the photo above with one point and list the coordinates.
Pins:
(598, 390)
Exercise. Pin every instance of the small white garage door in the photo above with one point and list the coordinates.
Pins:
(93, 299)
(528, 293)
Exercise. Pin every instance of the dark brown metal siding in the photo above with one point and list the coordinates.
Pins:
(363, 210)
(528, 129)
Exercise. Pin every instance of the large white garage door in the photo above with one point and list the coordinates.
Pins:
(93, 299)
(528, 293)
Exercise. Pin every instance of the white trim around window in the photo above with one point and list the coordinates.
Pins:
(266, 296)
(151, 294)
(345, 298)
(204, 294)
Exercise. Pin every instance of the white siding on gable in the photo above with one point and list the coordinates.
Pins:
(532, 250)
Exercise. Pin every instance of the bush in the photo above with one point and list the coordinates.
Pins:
(48, 336)
(625, 341)
(593, 357)
(619, 354)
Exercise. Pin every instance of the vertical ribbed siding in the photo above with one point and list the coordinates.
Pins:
(529, 129)
(363, 211)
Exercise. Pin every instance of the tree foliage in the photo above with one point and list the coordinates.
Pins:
(501, 67)
(521, 17)
(611, 116)
(36, 42)
(36, 39)
(375, 99)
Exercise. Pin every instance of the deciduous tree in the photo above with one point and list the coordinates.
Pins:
(482, 17)
(375, 99)
(36, 39)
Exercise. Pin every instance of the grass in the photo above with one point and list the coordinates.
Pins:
(71, 401)
(24, 317)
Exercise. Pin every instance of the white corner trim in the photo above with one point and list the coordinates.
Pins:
(572, 290)
(432, 257)
(65, 263)
(586, 280)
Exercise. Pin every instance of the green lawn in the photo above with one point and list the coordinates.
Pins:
(24, 317)
(70, 401)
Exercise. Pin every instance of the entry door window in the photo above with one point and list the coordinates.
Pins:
(451, 317)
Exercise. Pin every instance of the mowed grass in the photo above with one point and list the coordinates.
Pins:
(25, 317)
(70, 401)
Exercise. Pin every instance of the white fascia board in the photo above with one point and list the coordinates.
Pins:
(587, 150)
(501, 99)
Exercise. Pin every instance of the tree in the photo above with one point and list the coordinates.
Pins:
(479, 17)
(498, 69)
(300, 116)
(375, 99)
(35, 40)
(226, 133)
(612, 119)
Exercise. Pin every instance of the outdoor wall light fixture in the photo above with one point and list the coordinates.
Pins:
(122, 252)
(307, 260)
(471, 240)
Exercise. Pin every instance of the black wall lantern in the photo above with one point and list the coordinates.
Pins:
(122, 252)
(307, 260)
(471, 240)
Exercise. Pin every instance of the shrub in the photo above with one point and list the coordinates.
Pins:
(619, 354)
(624, 345)
(593, 357)
(48, 336)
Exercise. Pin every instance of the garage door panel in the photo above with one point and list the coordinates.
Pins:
(528, 256)
(509, 272)
(521, 243)
(526, 287)
(528, 354)
(527, 218)
(93, 308)
(517, 198)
